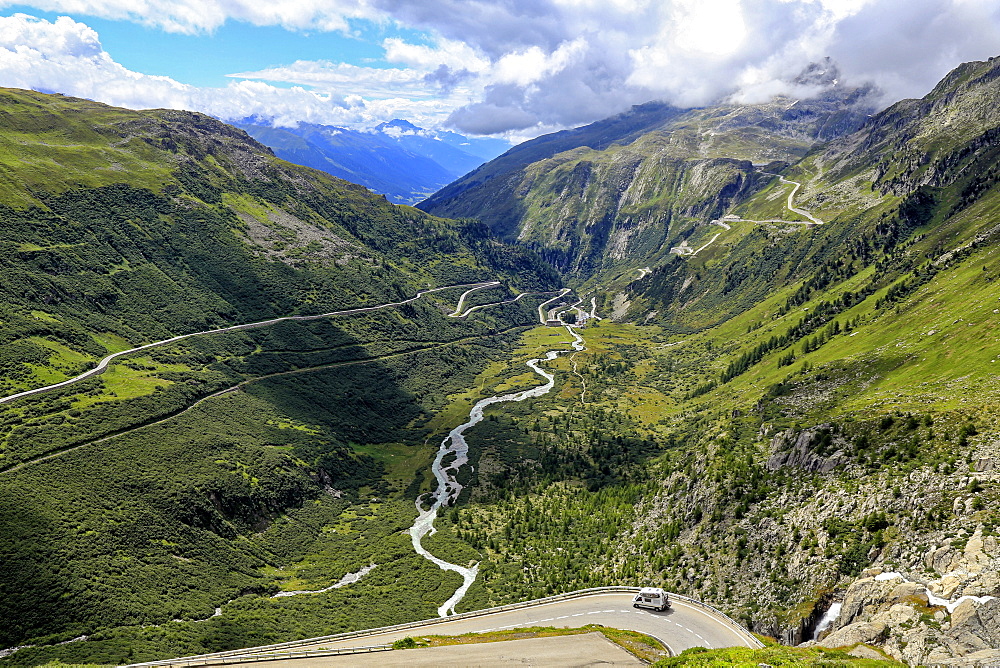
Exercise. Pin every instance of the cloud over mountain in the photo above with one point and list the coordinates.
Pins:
(521, 66)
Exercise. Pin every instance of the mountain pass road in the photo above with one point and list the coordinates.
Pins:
(684, 625)
(687, 624)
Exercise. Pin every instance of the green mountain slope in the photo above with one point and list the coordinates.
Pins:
(857, 358)
(625, 190)
(223, 467)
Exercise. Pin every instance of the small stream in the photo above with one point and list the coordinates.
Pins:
(455, 449)
(350, 578)
(932, 598)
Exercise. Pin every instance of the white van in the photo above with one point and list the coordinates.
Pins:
(651, 597)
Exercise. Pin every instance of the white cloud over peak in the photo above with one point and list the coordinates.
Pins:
(517, 66)
(344, 78)
(447, 52)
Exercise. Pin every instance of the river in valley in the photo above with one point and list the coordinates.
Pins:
(452, 455)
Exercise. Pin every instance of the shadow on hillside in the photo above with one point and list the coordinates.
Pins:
(173, 503)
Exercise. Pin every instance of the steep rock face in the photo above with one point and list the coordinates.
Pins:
(946, 613)
(816, 449)
(583, 214)
(949, 135)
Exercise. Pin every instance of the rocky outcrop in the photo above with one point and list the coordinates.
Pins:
(817, 449)
(946, 613)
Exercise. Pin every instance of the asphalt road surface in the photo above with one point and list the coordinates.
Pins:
(683, 626)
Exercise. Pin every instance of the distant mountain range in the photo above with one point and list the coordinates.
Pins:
(397, 159)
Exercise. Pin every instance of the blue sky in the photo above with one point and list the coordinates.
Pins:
(516, 68)
(205, 58)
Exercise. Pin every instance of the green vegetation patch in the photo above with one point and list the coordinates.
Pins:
(774, 655)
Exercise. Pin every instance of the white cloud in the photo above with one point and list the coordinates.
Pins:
(709, 28)
(520, 66)
(344, 78)
(451, 53)
(66, 56)
(532, 65)
(907, 46)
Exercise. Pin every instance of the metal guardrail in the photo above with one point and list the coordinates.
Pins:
(580, 593)
(232, 659)
(742, 630)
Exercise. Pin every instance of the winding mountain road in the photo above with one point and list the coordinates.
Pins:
(103, 364)
(542, 312)
(684, 250)
(233, 388)
(788, 204)
(457, 313)
(687, 624)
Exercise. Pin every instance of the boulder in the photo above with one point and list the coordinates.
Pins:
(907, 592)
(864, 598)
(866, 652)
(853, 634)
(967, 630)
(939, 656)
(989, 615)
(946, 586)
(976, 559)
(941, 559)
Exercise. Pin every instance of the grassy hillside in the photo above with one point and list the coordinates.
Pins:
(213, 472)
(774, 655)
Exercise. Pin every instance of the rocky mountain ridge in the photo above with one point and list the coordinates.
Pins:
(941, 610)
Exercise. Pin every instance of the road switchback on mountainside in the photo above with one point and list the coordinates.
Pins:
(687, 624)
